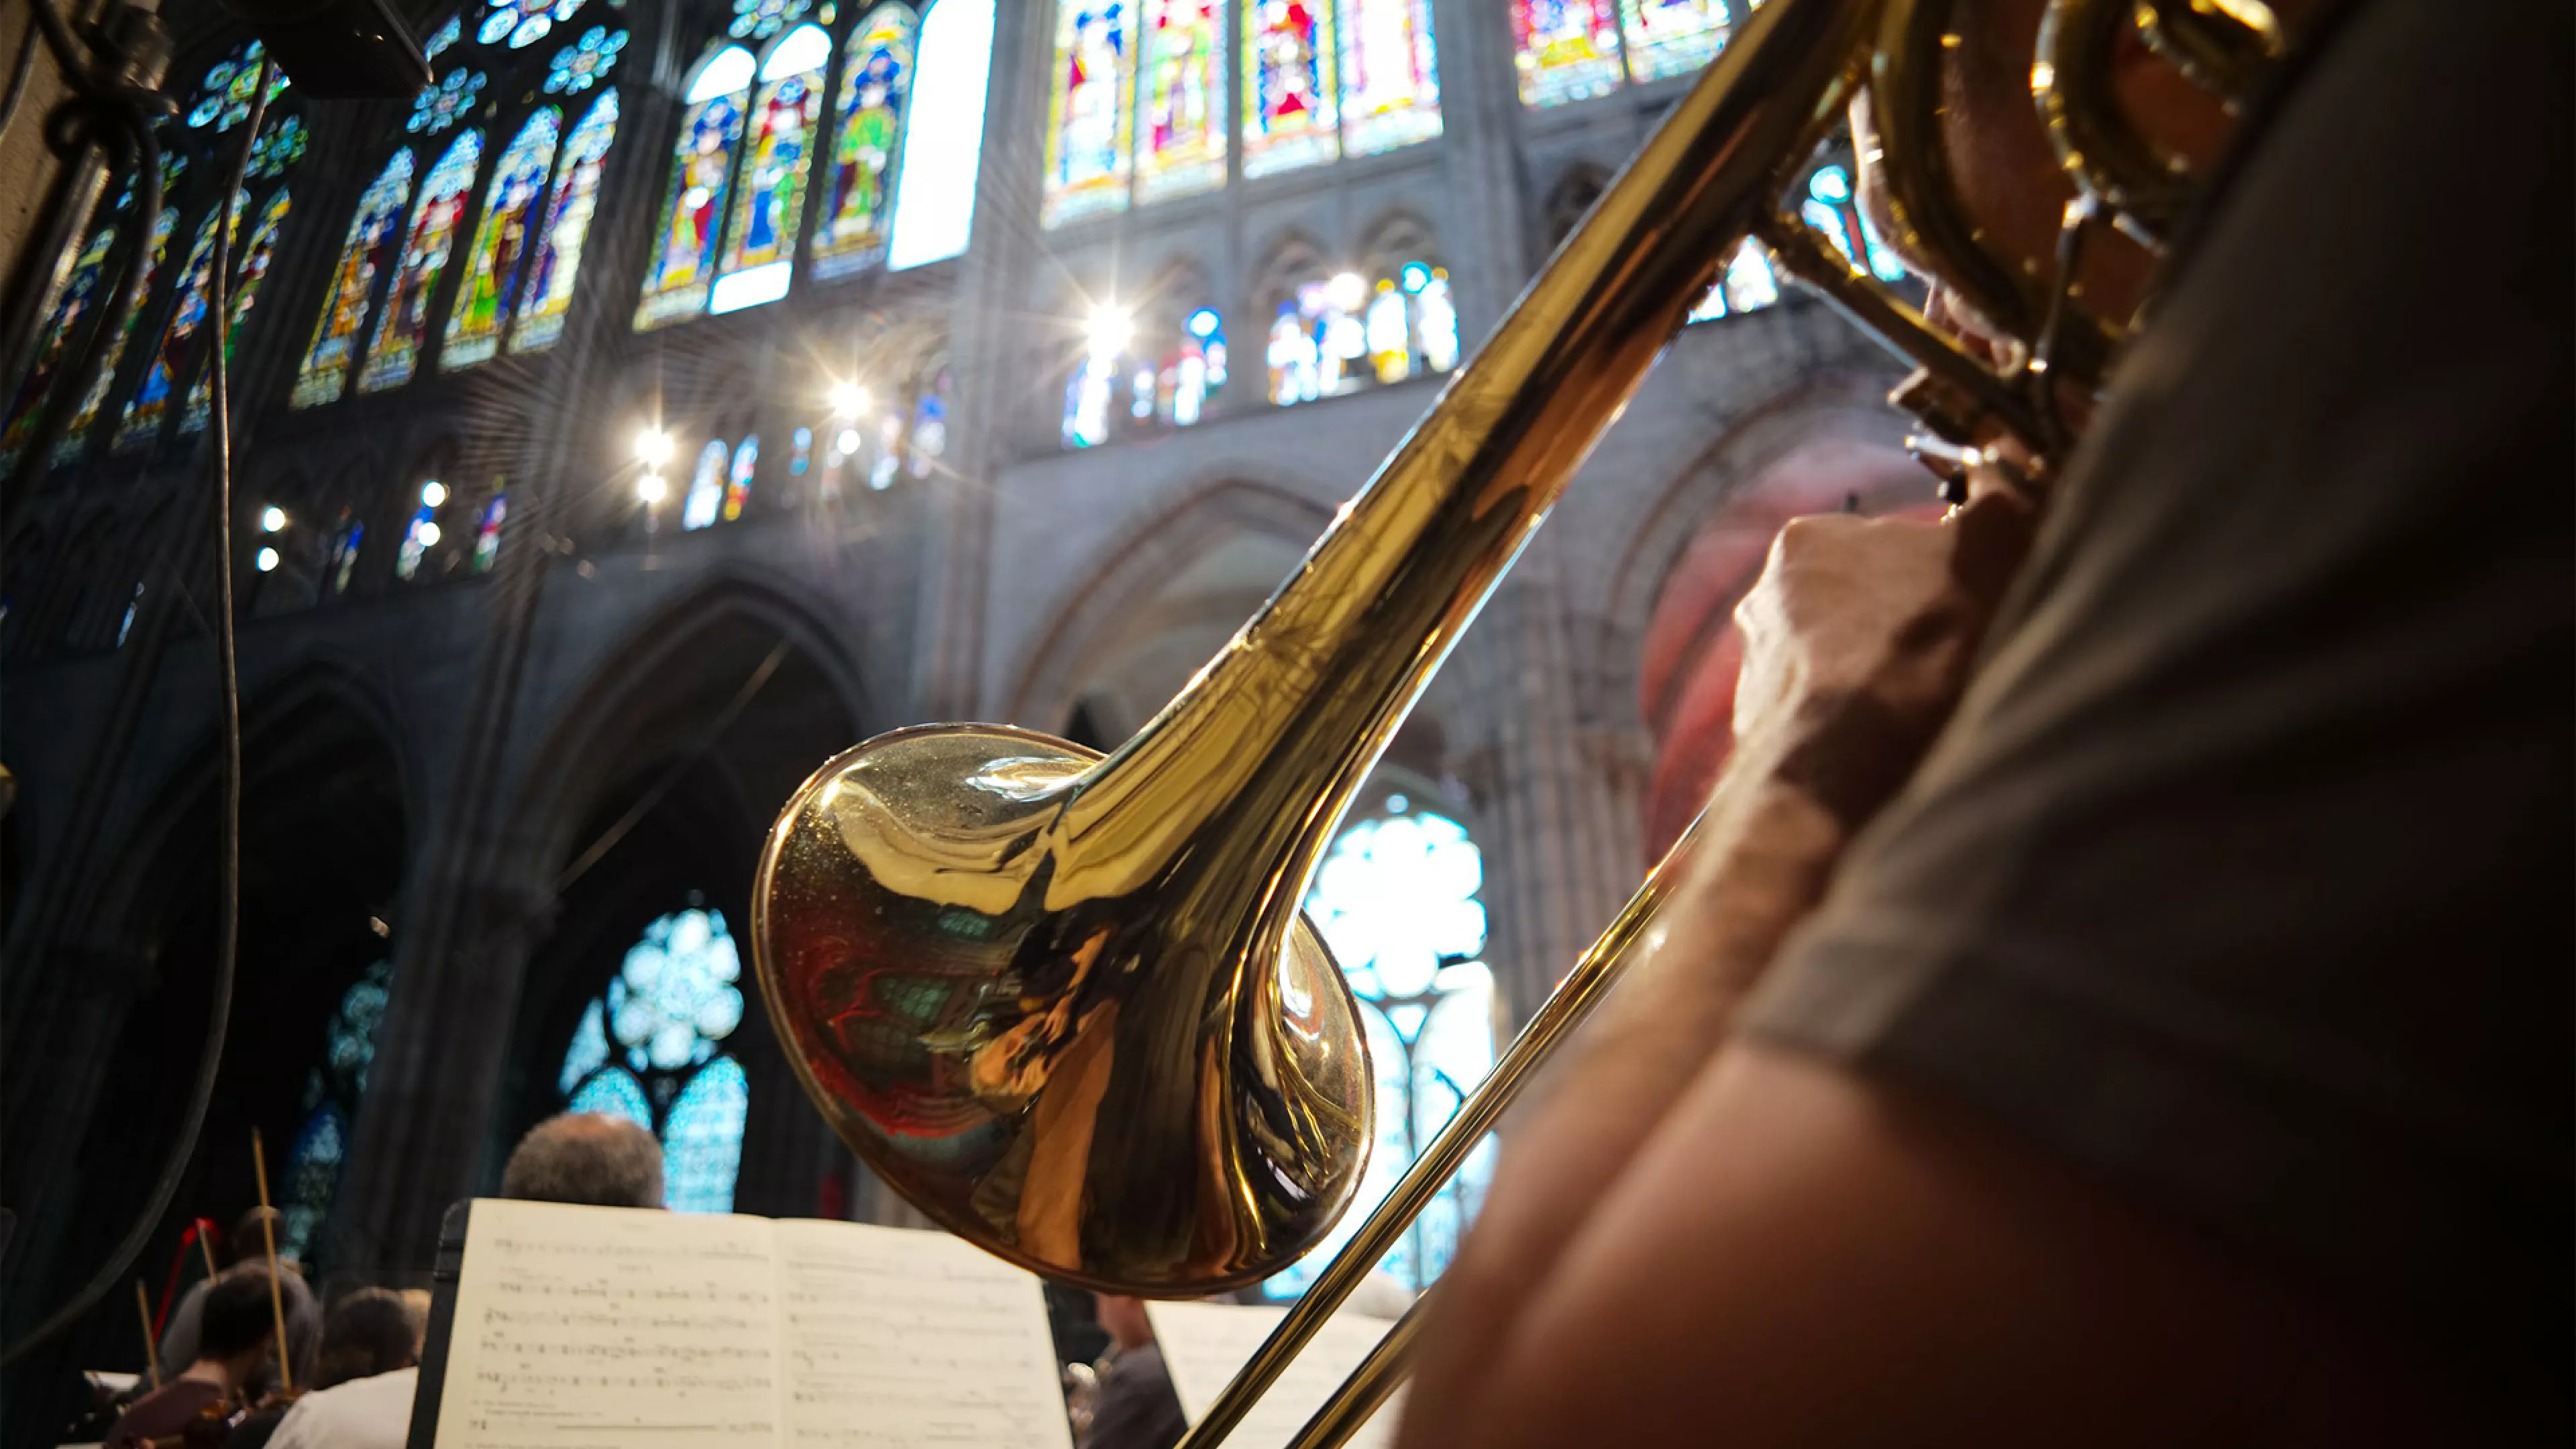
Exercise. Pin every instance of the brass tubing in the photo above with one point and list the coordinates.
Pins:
(1367, 1387)
(2102, 153)
(1593, 975)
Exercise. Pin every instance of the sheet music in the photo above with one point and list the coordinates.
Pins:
(1205, 1343)
(598, 1328)
(896, 1339)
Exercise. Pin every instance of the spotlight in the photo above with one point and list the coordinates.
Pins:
(847, 442)
(433, 493)
(267, 559)
(1110, 329)
(649, 487)
(1203, 323)
(848, 399)
(429, 535)
(272, 519)
(1346, 291)
(653, 447)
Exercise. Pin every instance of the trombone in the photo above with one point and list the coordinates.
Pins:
(1066, 1005)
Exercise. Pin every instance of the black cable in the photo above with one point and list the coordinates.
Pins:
(24, 69)
(228, 900)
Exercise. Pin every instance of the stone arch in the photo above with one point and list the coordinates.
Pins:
(1289, 260)
(1395, 239)
(1577, 187)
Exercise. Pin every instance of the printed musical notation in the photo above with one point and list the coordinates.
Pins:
(1205, 1343)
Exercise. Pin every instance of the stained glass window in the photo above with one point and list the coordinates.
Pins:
(661, 1021)
(1193, 371)
(546, 294)
(1090, 115)
(345, 544)
(224, 98)
(867, 130)
(522, 23)
(1334, 335)
(445, 35)
(1180, 98)
(109, 356)
(1290, 65)
(331, 1093)
(761, 19)
(746, 464)
(422, 533)
(487, 532)
(188, 303)
(693, 205)
(280, 145)
(578, 66)
(769, 199)
(928, 442)
(250, 268)
(1565, 50)
(445, 101)
(706, 488)
(80, 293)
(1390, 75)
(1399, 900)
(510, 208)
(365, 255)
(1127, 381)
(402, 323)
(1671, 37)
(943, 140)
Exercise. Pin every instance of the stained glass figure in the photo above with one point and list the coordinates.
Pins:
(280, 145)
(579, 66)
(402, 323)
(189, 301)
(366, 254)
(1399, 900)
(693, 206)
(673, 1001)
(867, 129)
(522, 23)
(746, 464)
(1565, 50)
(447, 34)
(1193, 372)
(510, 203)
(761, 19)
(487, 532)
(231, 85)
(943, 137)
(1672, 37)
(331, 1094)
(1390, 75)
(1088, 140)
(546, 294)
(706, 488)
(769, 200)
(442, 103)
(250, 268)
(422, 533)
(1180, 99)
(344, 554)
(1290, 69)
(109, 356)
(80, 293)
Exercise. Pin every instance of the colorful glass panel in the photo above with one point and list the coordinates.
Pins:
(510, 203)
(1180, 99)
(402, 323)
(344, 308)
(224, 98)
(109, 356)
(80, 293)
(522, 23)
(693, 205)
(746, 465)
(943, 136)
(706, 488)
(1565, 50)
(929, 440)
(1672, 37)
(280, 145)
(487, 532)
(249, 271)
(1193, 373)
(1399, 900)
(579, 66)
(614, 1093)
(769, 200)
(1290, 68)
(189, 301)
(1089, 133)
(442, 103)
(867, 130)
(702, 1143)
(673, 999)
(447, 34)
(761, 19)
(1390, 75)
(546, 294)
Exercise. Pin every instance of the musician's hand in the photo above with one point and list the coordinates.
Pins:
(1859, 635)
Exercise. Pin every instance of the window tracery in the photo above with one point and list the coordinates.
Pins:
(510, 201)
(654, 1037)
(188, 303)
(363, 257)
(760, 249)
(402, 319)
(546, 295)
(332, 1090)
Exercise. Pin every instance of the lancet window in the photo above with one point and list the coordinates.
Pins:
(1348, 330)
(1567, 50)
(650, 1048)
(1400, 900)
(332, 1090)
(1149, 372)
(1144, 93)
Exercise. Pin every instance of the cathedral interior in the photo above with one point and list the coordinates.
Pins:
(677, 392)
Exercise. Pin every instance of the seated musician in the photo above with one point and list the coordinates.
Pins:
(2180, 1056)
(236, 1327)
(364, 1379)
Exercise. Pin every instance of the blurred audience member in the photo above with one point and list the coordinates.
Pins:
(586, 1157)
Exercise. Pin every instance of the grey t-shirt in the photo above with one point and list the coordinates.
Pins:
(2241, 880)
